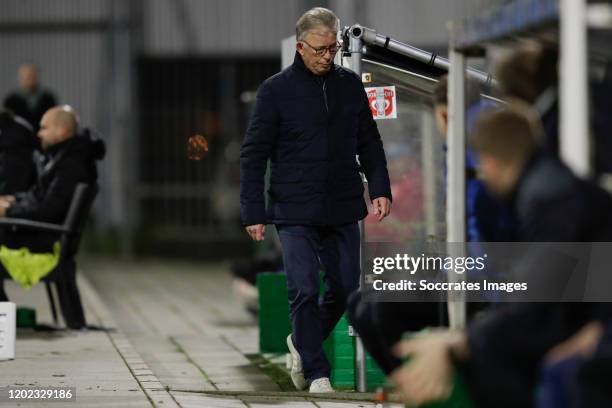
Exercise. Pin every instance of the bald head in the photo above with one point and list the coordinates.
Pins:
(57, 125)
(64, 116)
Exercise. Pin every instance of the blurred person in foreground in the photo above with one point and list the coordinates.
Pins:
(69, 158)
(488, 220)
(17, 145)
(312, 120)
(31, 100)
(529, 74)
(499, 356)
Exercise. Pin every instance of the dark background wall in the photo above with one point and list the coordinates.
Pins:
(147, 74)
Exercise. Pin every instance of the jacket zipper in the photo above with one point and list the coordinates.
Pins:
(324, 86)
(325, 94)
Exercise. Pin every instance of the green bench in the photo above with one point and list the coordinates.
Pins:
(340, 350)
(274, 323)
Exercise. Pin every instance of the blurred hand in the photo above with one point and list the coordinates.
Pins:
(428, 376)
(2, 212)
(382, 207)
(582, 343)
(6, 201)
(256, 232)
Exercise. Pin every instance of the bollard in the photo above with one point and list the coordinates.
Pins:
(7, 330)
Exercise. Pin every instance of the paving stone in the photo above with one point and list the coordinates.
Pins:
(181, 322)
(275, 404)
(192, 400)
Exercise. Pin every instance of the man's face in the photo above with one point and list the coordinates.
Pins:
(28, 78)
(51, 132)
(496, 175)
(314, 40)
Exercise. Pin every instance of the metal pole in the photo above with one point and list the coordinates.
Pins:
(355, 45)
(355, 48)
(428, 148)
(371, 37)
(455, 164)
(575, 141)
(123, 154)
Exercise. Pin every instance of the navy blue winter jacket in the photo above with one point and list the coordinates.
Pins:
(311, 128)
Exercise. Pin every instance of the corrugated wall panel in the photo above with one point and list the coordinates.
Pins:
(215, 27)
(417, 22)
(71, 65)
(206, 27)
(55, 10)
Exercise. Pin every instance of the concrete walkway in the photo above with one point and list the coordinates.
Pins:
(94, 362)
(179, 340)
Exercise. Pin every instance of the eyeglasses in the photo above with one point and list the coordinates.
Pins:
(319, 52)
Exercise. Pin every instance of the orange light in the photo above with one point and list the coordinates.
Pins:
(197, 147)
(380, 395)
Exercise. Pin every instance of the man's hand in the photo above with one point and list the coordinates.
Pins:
(5, 203)
(256, 232)
(428, 375)
(583, 343)
(382, 207)
(7, 200)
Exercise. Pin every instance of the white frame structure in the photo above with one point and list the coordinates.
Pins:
(455, 164)
(515, 18)
(574, 142)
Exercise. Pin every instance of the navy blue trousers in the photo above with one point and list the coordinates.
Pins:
(307, 250)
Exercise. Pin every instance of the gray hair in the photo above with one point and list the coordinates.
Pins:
(313, 18)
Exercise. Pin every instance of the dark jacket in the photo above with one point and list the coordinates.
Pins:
(61, 168)
(42, 101)
(311, 128)
(17, 144)
(551, 205)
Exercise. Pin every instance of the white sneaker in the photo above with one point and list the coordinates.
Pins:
(297, 373)
(321, 385)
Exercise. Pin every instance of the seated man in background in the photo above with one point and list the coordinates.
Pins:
(17, 145)
(68, 158)
(499, 356)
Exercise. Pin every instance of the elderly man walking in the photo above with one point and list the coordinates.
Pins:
(313, 122)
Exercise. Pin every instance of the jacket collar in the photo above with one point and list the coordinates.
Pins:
(298, 65)
(526, 173)
(57, 148)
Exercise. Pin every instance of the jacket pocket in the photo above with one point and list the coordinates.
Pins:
(290, 183)
(292, 131)
(283, 173)
(348, 184)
